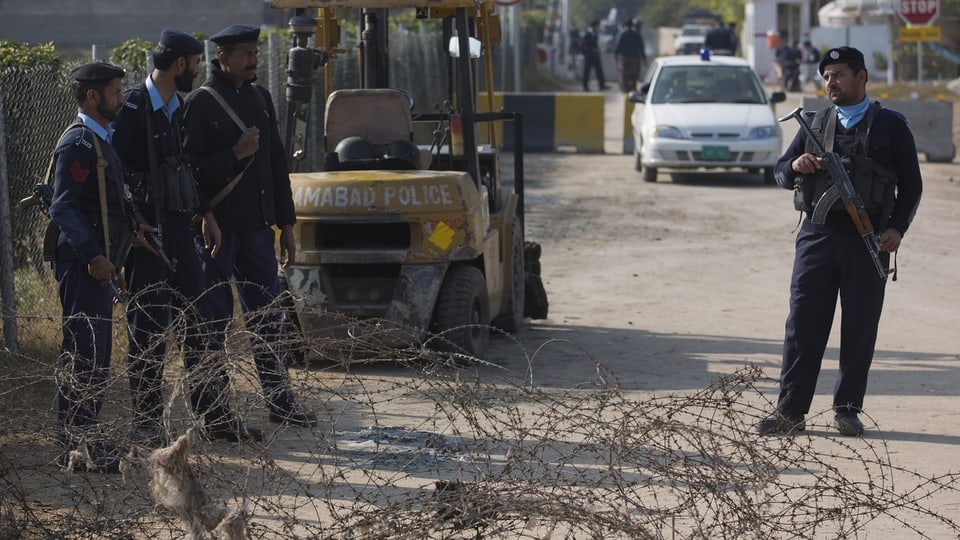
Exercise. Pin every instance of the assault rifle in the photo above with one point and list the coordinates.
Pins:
(840, 187)
(43, 195)
(152, 238)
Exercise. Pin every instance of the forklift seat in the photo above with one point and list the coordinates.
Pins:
(378, 115)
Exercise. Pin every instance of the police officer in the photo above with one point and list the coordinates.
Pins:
(165, 191)
(244, 172)
(590, 47)
(88, 209)
(831, 258)
(721, 40)
(631, 51)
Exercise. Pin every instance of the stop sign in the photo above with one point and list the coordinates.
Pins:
(919, 12)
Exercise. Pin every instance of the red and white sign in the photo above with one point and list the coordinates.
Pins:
(919, 12)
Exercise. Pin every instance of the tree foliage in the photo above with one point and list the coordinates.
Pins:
(16, 54)
(132, 53)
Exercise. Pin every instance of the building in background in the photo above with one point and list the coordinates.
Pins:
(74, 25)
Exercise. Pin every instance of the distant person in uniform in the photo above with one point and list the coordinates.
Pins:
(243, 172)
(734, 39)
(630, 52)
(94, 235)
(720, 40)
(811, 61)
(831, 260)
(590, 47)
(790, 57)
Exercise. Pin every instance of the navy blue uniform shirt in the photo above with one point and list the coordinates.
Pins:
(76, 195)
(130, 139)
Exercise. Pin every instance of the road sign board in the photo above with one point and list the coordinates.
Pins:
(919, 12)
(921, 33)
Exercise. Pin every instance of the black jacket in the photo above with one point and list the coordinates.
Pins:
(263, 197)
(892, 147)
(130, 141)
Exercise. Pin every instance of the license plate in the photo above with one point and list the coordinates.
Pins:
(715, 153)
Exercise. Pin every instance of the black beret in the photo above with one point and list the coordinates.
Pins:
(237, 33)
(180, 42)
(96, 71)
(842, 55)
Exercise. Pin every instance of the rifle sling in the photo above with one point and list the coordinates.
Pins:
(227, 189)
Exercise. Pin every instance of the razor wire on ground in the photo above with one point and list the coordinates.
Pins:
(417, 443)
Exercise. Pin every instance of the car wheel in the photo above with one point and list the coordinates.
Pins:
(768, 176)
(512, 316)
(649, 174)
(462, 313)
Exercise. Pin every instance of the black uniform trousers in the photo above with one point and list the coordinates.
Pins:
(831, 259)
(162, 299)
(250, 260)
(86, 347)
(591, 61)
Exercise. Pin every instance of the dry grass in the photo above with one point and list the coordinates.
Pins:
(415, 444)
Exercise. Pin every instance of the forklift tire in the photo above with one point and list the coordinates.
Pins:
(512, 316)
(462, 313)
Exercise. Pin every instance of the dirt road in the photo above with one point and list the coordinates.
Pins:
(672, 284)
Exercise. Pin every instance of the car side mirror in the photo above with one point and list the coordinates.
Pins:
(637, 96)
(777, 97)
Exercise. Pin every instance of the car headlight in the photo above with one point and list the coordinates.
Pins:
(667, 132)
(763, 132)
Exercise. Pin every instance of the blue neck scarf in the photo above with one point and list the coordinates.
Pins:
(850, 115)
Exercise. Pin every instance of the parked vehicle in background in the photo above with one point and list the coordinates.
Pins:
(704, 114)
(702, 16)
(690, 39)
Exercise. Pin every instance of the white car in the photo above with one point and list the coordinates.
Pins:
(704, 113)
(690, 39)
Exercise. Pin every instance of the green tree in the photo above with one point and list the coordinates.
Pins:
(132, 53)
(16, 54)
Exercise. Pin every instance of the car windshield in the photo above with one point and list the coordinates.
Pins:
(707, 83)
(693, 31)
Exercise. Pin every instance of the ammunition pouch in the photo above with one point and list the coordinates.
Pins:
(175, 189)
(873, 183)
(803, 194)
(121, 237)
(179, 186)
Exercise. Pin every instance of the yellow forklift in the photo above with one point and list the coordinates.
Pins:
(410, 242)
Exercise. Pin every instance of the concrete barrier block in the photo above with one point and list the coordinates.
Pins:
(578, 122)
(930, 121)
(551, 121)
